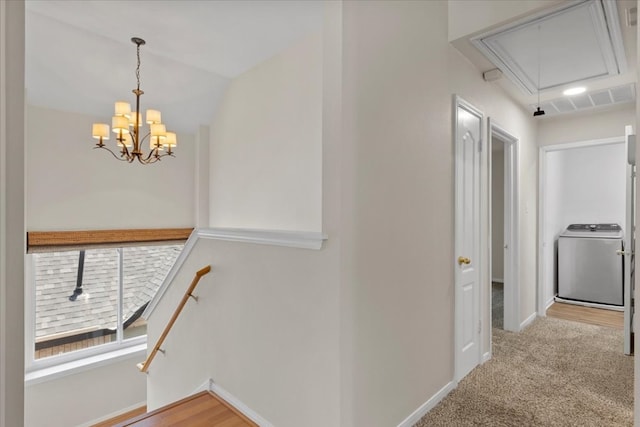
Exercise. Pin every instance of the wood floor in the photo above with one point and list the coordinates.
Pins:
(204, 409)
(593, 316)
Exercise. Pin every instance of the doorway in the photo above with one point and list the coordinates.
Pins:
(503, 228)
(581, 182)
(587, 183)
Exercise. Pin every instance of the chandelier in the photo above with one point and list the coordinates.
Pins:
(126, 125)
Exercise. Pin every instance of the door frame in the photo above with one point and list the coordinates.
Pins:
(511, 224)
(477, 253)
(543, 304)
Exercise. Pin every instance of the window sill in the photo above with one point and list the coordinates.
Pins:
(38, 376)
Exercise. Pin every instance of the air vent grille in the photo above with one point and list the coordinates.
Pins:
(600, 98)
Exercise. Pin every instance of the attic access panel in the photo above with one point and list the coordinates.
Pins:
(576, 43)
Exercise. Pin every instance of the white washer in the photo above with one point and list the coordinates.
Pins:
(589, 269)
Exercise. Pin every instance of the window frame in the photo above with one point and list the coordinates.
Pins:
(67, 241)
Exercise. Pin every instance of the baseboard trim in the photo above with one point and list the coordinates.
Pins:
(205, 386)
(529, 320)
(428, 405)
(231, 399)
(112, 415)
(548, 304)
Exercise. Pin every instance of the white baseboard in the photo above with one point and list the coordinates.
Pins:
(205, 386)
(590, 304)
(548, 304)
(236, 403)
(428, 405)
(529, 320)
(498, 280)
(112, 415)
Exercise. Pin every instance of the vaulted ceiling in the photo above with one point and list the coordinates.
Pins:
(79, 56)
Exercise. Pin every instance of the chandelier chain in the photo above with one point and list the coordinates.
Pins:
(138, 66)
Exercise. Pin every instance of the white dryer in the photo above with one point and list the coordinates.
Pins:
(589, 267)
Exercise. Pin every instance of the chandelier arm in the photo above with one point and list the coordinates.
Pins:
(147, 161)
(152, 154)
(125, 151)
(114, 154)
(152, 158)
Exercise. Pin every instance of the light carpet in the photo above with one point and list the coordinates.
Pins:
(554, 373)
(497, 305)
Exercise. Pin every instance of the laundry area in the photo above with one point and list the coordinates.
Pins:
(584, 190)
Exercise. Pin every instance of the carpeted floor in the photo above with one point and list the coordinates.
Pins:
(497, 305)
(554, 373)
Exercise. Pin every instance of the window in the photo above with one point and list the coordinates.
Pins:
(86, 302)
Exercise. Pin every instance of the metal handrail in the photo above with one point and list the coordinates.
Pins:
(144, 366)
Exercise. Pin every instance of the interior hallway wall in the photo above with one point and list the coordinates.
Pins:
(398, 192)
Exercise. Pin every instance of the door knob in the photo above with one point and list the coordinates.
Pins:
(463, 260)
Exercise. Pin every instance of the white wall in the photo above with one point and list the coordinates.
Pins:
(585, 127)
(87, 396)
(12, 237)
(467, 81)
(497, 211)
(397, 202)
(266, 144)
(582, 186)
(71, 186)
(265, 329)
(202, 177)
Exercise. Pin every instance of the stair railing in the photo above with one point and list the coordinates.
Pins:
(144, 366)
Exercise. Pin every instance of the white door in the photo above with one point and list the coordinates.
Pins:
(468, 144)
(629, 241)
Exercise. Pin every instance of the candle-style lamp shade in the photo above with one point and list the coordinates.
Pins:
(158, 135)
(123, 109)
(154, 117)
(100, 131)
(171, 140)
(132, 120)
(120, 124)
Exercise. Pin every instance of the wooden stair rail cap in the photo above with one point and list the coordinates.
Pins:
(143, 367)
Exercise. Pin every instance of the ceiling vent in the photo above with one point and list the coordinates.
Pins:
(590, 100)
(539, 53)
